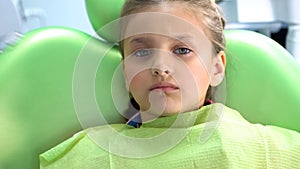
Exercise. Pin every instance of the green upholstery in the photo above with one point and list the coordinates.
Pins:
(41, 78)
(101, 13)
(36, 101)
(262, 80)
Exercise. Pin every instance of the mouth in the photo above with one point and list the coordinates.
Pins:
(164, 86)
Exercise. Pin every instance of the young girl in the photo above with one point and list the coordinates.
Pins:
(173, 58)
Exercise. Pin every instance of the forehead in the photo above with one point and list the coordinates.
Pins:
(170, 21)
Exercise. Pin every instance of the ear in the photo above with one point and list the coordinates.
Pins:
(218, 68)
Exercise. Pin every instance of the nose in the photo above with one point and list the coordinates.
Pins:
(161, 66)
(160, 72)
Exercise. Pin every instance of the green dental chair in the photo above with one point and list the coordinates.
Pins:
(52, 76)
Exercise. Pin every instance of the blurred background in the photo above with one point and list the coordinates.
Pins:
(278, 19)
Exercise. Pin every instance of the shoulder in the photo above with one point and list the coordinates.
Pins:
(226, 114)
(229, 116)
(82, 145)
(279, 147)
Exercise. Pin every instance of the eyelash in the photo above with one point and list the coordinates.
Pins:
(147, 52)
(178, 51)
(139, 54)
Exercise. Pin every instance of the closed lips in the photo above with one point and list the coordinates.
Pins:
(164, 85)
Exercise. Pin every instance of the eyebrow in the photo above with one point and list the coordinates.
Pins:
(180, 37)
(139, 40)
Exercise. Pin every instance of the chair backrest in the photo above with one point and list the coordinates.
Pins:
(55, 81)
(38, 92)
(262, 80)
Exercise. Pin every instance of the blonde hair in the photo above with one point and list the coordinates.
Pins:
(213, 20)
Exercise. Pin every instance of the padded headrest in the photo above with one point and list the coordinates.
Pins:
(102, 12)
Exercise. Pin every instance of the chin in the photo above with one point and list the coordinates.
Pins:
(170, 112)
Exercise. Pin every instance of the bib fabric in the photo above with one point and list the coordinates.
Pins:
(214, 136)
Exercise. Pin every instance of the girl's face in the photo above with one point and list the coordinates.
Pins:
(168, 61)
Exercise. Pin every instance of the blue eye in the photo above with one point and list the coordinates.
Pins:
(142, 53)
(182, 51)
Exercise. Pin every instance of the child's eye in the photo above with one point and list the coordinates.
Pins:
(182, 51)
(142, 52)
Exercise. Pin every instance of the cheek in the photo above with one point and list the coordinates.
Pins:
(201, 77)
(138, 87)
(138, 84)
(133, 68)
(135, 82)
